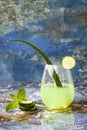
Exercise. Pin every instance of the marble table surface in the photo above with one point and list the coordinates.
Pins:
(73, 118)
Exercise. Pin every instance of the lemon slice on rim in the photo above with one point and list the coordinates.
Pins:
(68, 62)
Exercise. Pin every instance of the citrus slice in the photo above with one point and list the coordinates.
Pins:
(68, 62)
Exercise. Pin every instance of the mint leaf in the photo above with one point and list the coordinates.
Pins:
(13, 96)
(21, 94)
(12, 105)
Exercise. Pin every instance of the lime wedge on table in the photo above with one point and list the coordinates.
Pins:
(68, 62)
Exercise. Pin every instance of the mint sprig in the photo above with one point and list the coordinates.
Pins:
(12, 105)
(21, 95)
(16, 99)
(47, 60)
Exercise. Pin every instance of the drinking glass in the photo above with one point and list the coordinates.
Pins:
(56, 97)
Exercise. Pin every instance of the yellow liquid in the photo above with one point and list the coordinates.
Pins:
(57, 97)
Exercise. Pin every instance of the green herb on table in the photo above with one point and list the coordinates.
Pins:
(19, 100)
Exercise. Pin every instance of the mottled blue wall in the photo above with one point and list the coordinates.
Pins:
(58, 27)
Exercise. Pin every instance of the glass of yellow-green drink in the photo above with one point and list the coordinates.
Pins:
(57, 88)
(57, 97)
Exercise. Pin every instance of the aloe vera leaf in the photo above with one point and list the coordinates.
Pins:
(37, 49)
(55, 76)
(57, 80)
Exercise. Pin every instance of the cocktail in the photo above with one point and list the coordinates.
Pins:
(57, 87)
(53, 96)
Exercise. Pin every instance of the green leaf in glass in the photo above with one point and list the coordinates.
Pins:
(47, 60)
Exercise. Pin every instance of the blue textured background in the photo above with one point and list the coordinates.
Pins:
(58, 27)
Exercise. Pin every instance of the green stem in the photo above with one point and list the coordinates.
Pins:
(55, 76)
(56, 79)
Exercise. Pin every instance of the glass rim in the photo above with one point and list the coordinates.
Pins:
(59, 65)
